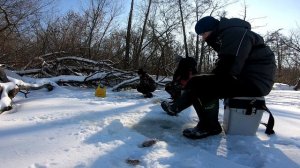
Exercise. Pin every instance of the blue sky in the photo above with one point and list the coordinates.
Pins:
(272, 14)
(66, 5)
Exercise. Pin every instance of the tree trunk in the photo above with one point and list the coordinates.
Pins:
(128, 37)
(137, 58)
(202, 54)
(183, 30)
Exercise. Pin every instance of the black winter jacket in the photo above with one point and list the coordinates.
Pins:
(242, 54)
(147, 83)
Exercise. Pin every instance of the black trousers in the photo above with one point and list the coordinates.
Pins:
(144, 89)
(208, 87)
(204, 92)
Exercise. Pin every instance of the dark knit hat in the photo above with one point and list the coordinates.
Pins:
(205, 24)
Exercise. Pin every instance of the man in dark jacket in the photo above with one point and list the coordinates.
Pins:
(245, 67)
(146, 85)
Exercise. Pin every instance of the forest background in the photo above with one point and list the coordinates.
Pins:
(38, 40)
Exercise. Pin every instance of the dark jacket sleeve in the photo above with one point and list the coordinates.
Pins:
(235, 48)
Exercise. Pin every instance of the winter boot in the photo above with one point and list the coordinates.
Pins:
(212, 113)
(208, 120)
(148, 95)
(196, 133)
(166, 106)
(175, 107)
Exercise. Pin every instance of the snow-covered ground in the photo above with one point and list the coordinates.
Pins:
(71, 128)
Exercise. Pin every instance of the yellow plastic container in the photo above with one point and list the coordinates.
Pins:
(100, 91)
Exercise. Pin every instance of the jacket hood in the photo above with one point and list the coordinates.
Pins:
(233, 22)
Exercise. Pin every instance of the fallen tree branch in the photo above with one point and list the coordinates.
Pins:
(6, 88)
(10, 89)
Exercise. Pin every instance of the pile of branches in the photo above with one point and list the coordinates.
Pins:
(76, 71)
(66, 71)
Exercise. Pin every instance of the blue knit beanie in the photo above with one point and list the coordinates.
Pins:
(205, 24)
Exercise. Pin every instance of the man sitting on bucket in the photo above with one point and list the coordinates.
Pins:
(245, 68)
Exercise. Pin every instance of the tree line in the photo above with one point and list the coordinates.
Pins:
(151, 34)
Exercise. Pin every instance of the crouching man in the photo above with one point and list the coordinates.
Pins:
(147, 85)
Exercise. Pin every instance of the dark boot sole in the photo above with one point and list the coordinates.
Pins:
(204, 135)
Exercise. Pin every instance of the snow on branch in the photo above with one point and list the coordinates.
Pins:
(125, 84)
(6, 88)
(10, 89)
(47, 71)
(76, 71)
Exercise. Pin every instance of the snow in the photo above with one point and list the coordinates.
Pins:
(71, 128)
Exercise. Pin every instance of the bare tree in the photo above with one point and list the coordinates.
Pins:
(183, 29)
(139, 50)
(16, 20)
(128, 36)
(292, 54)
(274, 39)
(15, 14)
(99, 15)
(286, 50)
